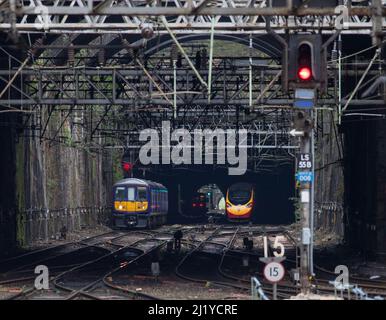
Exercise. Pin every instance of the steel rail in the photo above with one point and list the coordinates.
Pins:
(30, 291)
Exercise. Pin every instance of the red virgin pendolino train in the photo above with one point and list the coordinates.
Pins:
(240, 202)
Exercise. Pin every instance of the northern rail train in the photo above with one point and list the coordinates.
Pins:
(240, 202)
(139, 203)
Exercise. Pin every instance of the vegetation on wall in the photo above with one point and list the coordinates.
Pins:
(116, 165)
(20, 193)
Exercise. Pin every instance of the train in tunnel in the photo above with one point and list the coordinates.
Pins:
(139, 203)
(240, 202)
(199, 204)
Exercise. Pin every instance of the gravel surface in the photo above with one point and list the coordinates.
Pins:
(72, 236)
(172, 287)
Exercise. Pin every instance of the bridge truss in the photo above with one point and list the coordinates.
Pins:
(88, 88)
(108, 106)
(186, 16)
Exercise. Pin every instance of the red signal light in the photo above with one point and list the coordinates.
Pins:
(304, 62)
(304, 73)
(127, 166)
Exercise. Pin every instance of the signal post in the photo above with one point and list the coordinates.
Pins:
(303, 128)
(306, 76)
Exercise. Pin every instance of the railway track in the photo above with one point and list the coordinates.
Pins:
(98, 270)
(41, 255)
(229, 280)
(376, 287)
(212, 242)
(161, 236)
(203, 246)
(97, 267)
(284, 290)
(73, 254)
(89, 264)
(137, 250)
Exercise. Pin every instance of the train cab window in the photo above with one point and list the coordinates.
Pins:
(239, 196)
(131, 194)
(142, 194)
(120, 194)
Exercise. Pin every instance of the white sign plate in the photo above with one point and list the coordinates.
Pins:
(304, 196)
(304, 161)
(274, 272)
(306, 236)
(308, 94)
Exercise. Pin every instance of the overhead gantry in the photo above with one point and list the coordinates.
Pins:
(186, 16)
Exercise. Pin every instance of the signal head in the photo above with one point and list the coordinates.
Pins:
(304, 73)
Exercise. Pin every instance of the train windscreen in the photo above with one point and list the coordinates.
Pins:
(142, 194)
(239, 195)
(120, 194)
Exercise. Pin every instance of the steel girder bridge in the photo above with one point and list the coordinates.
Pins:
(187, 16)
(108, 106)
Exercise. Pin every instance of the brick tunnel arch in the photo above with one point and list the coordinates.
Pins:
(264, 43)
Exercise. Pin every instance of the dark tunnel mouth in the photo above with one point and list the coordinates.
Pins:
(275, 193)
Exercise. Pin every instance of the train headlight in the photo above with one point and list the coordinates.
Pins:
(249, 205)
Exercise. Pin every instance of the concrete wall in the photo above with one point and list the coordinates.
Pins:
(53, 175)
(329, 179)
(380, 215)
(360, 185)
(7, 183)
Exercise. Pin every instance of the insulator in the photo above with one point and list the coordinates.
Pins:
(131, 52)
(174, 52)
(334, 52)
(129, 49)
(71, 54)
(101, 57)
(204, 58)
(35, 47)
(147, 31)
(334, 55)
(198, 59)
(179, 60)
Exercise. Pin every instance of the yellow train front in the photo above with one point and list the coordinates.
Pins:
(240, 201)
(139, 203)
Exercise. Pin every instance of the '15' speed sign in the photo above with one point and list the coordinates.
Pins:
(274, 272)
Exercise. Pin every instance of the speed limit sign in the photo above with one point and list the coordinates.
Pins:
(274, 271)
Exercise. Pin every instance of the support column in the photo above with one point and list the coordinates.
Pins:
(305, 199)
